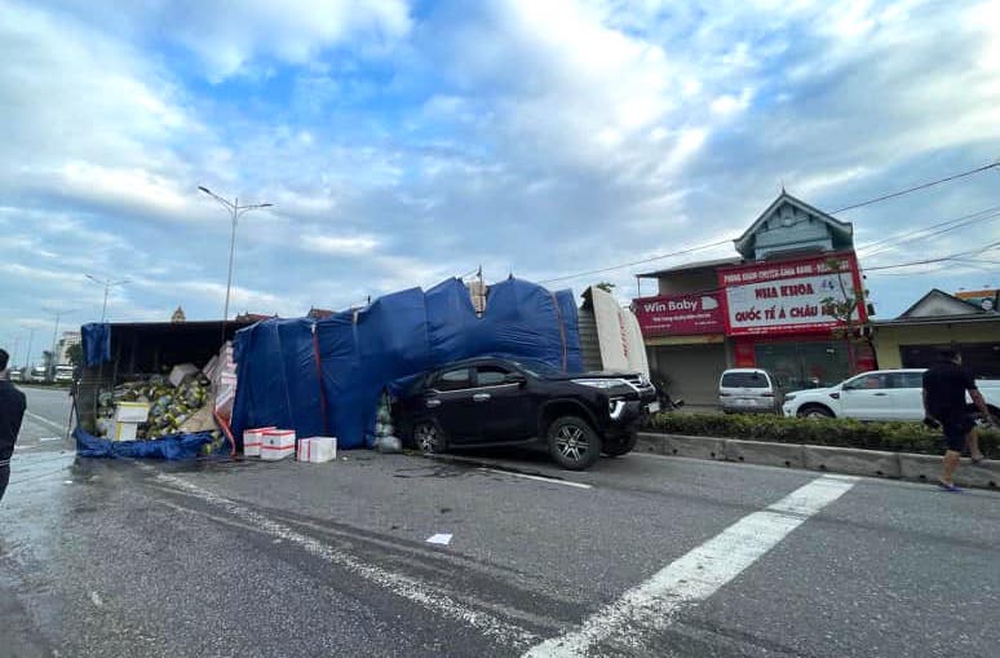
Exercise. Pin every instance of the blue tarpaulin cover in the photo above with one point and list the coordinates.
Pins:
(96, 338)
(171, 448)
(326, 377)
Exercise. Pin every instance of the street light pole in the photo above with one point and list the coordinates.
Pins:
(27, 355)
(235, 212)
(107, 283)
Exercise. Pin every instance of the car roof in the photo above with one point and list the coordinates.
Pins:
(729, 370)
(889, 371)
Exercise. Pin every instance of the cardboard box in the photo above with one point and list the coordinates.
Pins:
(277, 444)
(317, 449)
(252, 440)
(182, 373)
(126, 431)
(132, 412)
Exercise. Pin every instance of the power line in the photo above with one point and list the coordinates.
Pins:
(860, 204)
(915, 188)
(638, 262)
(932, 234)
(905, 234)
(928, 261)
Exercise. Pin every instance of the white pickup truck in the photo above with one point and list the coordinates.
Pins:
(876, 395)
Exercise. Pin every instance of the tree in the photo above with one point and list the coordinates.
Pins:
(845, 310)
(606, 286)
(75, 354)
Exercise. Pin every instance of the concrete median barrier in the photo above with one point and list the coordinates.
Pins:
(697, 447)
(851, 461)
(789, 455)
(848, 461)
(922, 468)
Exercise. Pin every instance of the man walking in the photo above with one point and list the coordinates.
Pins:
(12, 405)
(945, 384)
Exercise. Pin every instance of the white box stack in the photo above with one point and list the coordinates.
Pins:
(277, 444)
(317, 449)
(131, 412)
(252, 440)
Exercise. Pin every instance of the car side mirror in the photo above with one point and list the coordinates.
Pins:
(515, 378)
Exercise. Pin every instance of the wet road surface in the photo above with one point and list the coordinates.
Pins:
(641, 556)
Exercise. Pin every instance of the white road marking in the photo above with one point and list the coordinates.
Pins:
(48, 439)
(698, 574)
(406, 587)
(44, 421)
(95, 598)
(22, 447)
(540, 478)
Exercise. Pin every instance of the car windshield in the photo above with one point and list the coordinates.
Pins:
(538, 368)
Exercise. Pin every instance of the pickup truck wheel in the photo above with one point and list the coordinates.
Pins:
(428, 438)
(814, 411)
(573, 443)
(621, 445)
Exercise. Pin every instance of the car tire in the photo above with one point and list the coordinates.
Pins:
(428, 437)
(621, 445)
(573, 443)
(814, 411)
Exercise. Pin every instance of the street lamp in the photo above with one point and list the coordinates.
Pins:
(107, 283)
(55, 335)
(235, 211)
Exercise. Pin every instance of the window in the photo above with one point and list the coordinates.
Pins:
(868, 382)
(907, 380)
(453, 380)
(744, 380)
(491, 375)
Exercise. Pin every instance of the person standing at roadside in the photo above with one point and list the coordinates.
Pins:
(945, 385)
(12, 404)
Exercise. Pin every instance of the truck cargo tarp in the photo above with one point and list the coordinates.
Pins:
(171, 448)
(329, 382)
(96, 338)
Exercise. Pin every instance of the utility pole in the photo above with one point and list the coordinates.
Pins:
(27, 355)
(235, 211)
(107, 283)
(55, 337)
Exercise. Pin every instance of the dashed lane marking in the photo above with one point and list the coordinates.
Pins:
(697, 575)
(539, 478)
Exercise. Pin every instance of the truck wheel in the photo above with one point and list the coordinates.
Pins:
(621, 445)
(814, 411)
(428, 438)
(573, 443)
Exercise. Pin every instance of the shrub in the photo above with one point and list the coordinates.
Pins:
(843, 433)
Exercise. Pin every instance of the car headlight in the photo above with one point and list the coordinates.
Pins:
(599, 383)
(789, 397)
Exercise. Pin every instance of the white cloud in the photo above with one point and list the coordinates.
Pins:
(350, 246)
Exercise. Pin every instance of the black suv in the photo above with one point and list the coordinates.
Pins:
(491, 402)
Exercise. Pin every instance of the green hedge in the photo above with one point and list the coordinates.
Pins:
(844, 433)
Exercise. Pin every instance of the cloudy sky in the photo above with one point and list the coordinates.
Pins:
(403, 143)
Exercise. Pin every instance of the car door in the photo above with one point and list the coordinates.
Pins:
(866, 397)
(448, 398)
(504, 408)
(906, 396)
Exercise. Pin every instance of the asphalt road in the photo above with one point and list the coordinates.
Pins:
(640, 556)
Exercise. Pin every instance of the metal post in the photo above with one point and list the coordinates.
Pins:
(232, 254)
(27, 355)
(104, 308)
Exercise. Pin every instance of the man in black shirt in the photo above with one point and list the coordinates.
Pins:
(12, 405)
(945, 384)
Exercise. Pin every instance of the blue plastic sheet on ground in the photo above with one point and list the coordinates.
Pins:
(96, 338)
(326, 377)
(172, 448)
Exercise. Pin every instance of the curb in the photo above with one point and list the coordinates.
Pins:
(848, 461)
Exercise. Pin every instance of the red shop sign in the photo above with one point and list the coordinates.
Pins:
(680, 315)
(788, 296)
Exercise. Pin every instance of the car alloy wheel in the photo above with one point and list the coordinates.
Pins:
(572, 443)
(428, 438)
